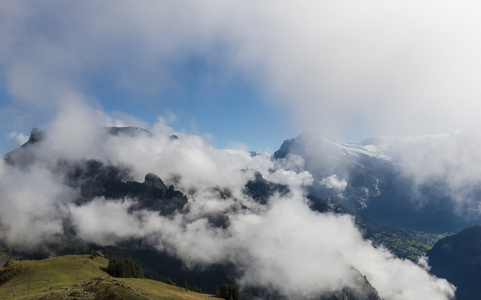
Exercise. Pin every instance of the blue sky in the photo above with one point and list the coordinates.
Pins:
(201, 98)
(243, 73)
(227, 113)
(231, 110)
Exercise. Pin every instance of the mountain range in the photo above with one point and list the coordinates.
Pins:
(401, 187)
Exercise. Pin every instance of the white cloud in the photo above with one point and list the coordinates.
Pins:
(19, 137)
(423, 262)
(300, 253)
(450, 164)
(31, 210)
(106, 222)
(332, 182)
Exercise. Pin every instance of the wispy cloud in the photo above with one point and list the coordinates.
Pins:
(19, 137)
(371, 68)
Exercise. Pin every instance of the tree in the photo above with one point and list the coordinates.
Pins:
(196, 289)
(124, 268)
(228, 292)
(168, 280)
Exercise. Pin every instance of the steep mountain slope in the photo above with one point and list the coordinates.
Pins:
(458, 259)
(425, 183)
(341, 171)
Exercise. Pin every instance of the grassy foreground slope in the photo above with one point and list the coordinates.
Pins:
(80, 277)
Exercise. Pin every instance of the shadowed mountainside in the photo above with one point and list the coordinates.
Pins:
(458, 259)
(373, 179)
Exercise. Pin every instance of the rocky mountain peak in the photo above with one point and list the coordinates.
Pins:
(128, 131)
(152, 180)
(37, 135)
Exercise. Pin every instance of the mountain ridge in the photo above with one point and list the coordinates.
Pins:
(425, 183)
(107, 184)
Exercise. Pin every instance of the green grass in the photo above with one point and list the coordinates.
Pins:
(80, 277)
(408, 244)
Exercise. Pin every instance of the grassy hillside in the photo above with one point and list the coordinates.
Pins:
(80, 277)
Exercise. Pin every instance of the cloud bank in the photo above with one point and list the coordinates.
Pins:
(447, 163)
(344, 69)
(282, 245)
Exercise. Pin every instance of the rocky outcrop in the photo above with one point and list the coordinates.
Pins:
(96, 179)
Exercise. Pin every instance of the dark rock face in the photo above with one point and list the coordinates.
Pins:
(458, 259)
(128, 131)
(37, 135)
(96, 179)
(287, 147)
(154, 182)
(260, 189)
(323, 206)
(158, 197)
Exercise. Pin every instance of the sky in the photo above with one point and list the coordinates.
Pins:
(244, 74)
